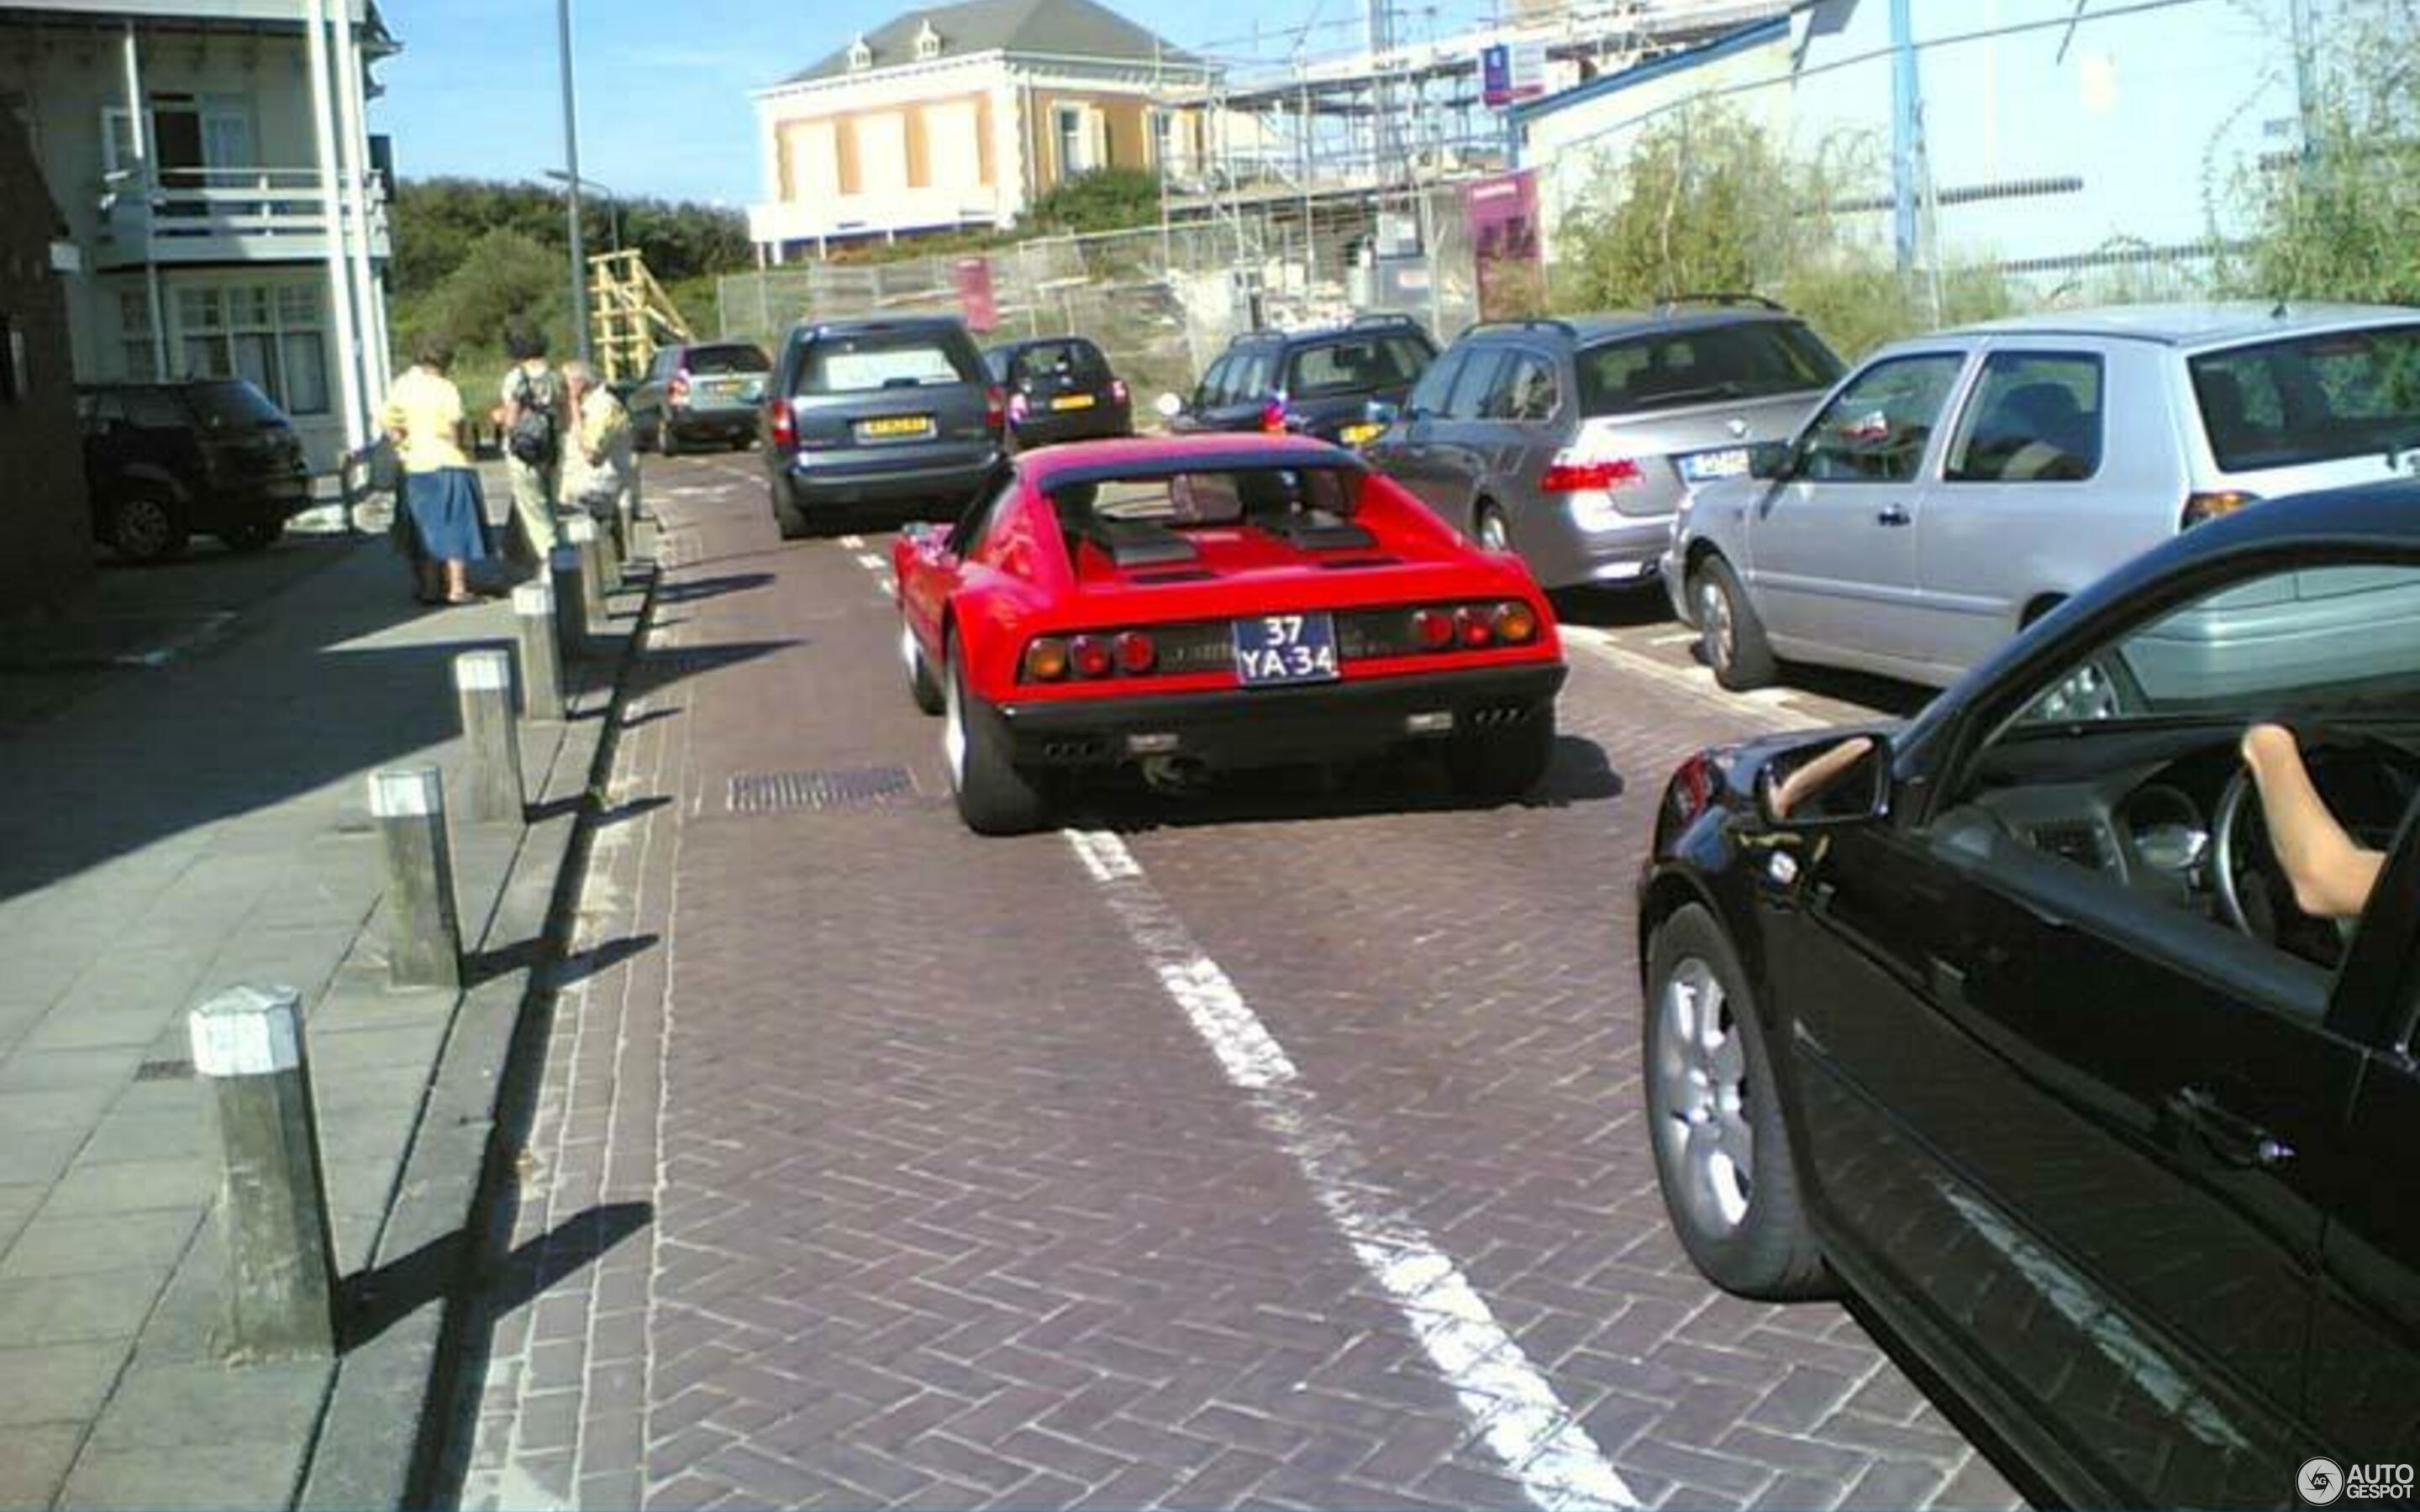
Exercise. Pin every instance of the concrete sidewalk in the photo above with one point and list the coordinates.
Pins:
(204, 823)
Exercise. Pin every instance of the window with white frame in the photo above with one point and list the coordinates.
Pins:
(1166, 141)
(1075, 142)
(928, 43)
(274, 337)
(861, 56)
(134, 332)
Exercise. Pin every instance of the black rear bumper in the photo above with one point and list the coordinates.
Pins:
(1276, 726)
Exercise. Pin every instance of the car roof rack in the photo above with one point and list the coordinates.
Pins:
(1532, 323)
(1730, 299)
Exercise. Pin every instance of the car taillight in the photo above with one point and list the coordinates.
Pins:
(1135, 653)
(2208, 507)
(1273, 415)
(1091, 656)
(1434, 626)
(1117, 391)
(1473, 626)
(1514, 622)
(1046, 660)
(1594, 475)
(995, 407)
(1693, 788)
(677, 392)
(784, 426)
(1018, 407)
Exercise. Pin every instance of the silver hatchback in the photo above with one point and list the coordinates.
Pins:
(1573, 441)
(1957, 486)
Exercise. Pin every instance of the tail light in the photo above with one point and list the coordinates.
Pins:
(1474, 626)
(1599, 475)
(1018, 407)
(1514, 622)
(1046, 660)
(1434, 626)
(1135, 653)
(1117, 391)
(677, 392)
(2208, 507)
(783, 425)
(995, 407)
(1273, 415)
(1692, 789)
(1091, 656)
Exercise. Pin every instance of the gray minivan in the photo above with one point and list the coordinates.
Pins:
(1572, 442)
(895, 417)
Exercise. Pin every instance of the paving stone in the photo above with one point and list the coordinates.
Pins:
(130, 1186)
(58, 1382)
(167, 1405)
(80, 1305)
(37, 1462)
(198, 1474)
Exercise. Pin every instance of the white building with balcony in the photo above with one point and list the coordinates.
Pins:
(225, 201)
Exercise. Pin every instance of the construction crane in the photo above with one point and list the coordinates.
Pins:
(629, 313)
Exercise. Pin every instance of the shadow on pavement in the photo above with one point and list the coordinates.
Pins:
(376, 1300)
(1612, 609)
(693, 591)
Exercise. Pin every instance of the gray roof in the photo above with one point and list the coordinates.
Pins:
(1063, 28)
(2197, 324)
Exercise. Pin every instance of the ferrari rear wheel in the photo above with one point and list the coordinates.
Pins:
(921, 686)
(1506, 761)
(994, 797)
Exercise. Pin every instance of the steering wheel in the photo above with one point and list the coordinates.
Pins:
(2227, 874)
(2253, 893)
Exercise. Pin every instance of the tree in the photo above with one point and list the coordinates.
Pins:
(1105, 199)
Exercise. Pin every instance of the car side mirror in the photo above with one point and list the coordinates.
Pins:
(1829, 780)
(1169, 406)
(1380, 413)
(1769, 461)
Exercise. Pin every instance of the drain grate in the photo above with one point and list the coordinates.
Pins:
(820, 787)
(164, 1070)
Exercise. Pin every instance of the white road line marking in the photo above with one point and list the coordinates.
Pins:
(869, 561)
(1693, 684)
(853, 542)
(1678, 638)
(889, 588)
(1505, 1396)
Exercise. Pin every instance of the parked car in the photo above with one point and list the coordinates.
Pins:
(697, 393)
(891, 416)
(2014, 1027)
(1318, 383)
(163, 462)
(1957, 486)
(1208, 602)
(1059, 388)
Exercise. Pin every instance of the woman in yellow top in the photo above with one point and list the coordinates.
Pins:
(446, 513)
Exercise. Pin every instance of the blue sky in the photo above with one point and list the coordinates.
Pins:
(663, 83)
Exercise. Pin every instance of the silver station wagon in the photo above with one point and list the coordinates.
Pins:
(1957, 486)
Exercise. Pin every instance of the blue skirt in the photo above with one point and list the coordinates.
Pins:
(449, 515)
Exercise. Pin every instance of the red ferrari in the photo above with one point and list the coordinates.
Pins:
(1209, 602)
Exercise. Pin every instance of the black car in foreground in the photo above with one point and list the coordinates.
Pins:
(1059, 388)
(891, 418)
(1313, 382)
(2014, 1028)
(163, 462)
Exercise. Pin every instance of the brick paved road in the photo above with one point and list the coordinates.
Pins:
(967, 1188)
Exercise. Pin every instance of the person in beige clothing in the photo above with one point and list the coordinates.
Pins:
(444, 515)
(600, 465)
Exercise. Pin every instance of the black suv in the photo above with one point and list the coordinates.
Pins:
(162, 461)
(1309, 382)
(891, 415)
(1059, 388)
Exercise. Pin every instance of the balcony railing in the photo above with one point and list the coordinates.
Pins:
(195, 215)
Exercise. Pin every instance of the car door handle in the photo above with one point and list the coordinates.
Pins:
(2232, 1137)
(1892, 515)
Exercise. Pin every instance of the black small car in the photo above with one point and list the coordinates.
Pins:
(1059, 388)
(2012, 1020)
(166, 461)
(699, 393)
(1318, 383)
(893, 418)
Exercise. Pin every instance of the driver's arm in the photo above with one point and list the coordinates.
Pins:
(1817, 775)
(2332, 874)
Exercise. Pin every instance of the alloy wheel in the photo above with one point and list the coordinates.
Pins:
(1701, 1077)
(1714, 619)
(953, 725)
(144, 528)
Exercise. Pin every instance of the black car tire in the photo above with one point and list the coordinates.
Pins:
(1503, 763)
(643, 434)
(1729, 635)
(147, 526)
(789, 518)
(258, 536)
(668, 441)
(922, 686)
(1769, 1252)
(993, 796)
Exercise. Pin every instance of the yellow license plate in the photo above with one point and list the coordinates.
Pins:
(1072, 401)
(891, 427)
(1356, 435)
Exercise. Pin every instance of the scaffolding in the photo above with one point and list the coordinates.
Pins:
(629, 313)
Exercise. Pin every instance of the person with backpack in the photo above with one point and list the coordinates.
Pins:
(532, 420)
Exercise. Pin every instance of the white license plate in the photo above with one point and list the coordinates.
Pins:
(1704, 467)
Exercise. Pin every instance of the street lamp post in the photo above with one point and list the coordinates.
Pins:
(612, 201)
(571, 161)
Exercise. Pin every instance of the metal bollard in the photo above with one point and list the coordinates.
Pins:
(541, 664)
(482, 685)
(280, 1278)
(582, 535)
(570, 601)
(424, 932)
